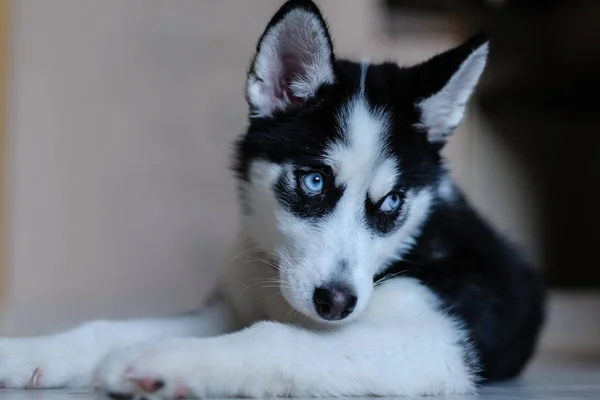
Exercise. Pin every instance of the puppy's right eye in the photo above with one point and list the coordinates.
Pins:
(391, 203)
(312, 183)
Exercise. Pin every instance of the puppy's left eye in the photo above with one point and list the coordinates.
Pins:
(312, 183)
(391, 203)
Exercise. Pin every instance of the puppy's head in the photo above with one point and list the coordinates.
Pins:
(341, 164)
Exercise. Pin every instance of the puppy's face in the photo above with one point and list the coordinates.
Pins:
(340, 165)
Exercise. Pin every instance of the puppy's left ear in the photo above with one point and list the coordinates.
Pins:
(294, 57)
(444, 84)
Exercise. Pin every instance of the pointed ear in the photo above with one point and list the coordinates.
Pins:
(294, 57)
(448, 81)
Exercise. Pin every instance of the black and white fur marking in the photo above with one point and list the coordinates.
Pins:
(362, 270)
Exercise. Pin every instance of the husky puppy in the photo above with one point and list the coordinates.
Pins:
(362, 270)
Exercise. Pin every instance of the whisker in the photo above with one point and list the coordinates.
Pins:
(268, 262)
(413, 262)
(275, 286)
(256, 284)
(266, 283)
(269, 297)
(245, 251)
(387, 277)
(248, 287)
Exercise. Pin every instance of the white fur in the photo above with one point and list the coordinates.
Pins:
(69, 358)
(443, 111)
(361, 158)
(362, 152)
(402, 346)
(384, 179)
(301, 38)
(311, 255)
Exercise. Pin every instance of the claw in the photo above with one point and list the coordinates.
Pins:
(35, 378)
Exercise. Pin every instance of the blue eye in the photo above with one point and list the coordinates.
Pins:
(391, 202)
(312, 183)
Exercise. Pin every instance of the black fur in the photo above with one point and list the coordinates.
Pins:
(484, 282)
(480, 278)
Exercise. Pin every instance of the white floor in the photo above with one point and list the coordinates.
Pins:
(551, 379)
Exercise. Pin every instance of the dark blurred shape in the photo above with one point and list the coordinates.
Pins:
(432, 6)
(541, 94)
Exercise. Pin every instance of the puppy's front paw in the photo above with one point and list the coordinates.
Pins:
(198, 368)
(38, 363)
(162, 371)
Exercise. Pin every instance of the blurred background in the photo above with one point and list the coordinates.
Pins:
(117, 197)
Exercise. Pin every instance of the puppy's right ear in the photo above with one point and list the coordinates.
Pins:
(294, 57)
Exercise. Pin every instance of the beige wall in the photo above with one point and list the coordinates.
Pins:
(121, 118)
(3, 150)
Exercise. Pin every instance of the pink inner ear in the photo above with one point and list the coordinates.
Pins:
(292, 70)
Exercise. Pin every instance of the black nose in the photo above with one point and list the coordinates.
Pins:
(334, 302)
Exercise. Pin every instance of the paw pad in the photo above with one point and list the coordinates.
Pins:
(149, 385)
(181, 392)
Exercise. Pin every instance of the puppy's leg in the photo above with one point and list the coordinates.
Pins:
(69, 358)
(390, 351)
